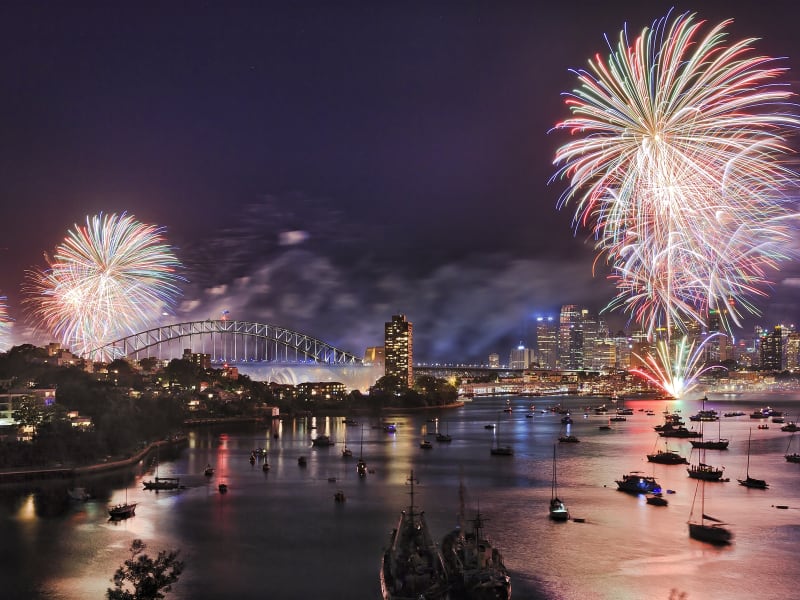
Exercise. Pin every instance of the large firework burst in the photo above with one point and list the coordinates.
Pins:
(677, 166)
(108, 278)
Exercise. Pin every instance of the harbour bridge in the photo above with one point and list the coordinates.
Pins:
(227, 341)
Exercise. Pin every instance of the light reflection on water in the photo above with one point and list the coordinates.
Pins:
(280, 534)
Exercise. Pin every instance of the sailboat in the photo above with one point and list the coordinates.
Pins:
(346, 452)
(361, 465)
(702, 470)
(124, 510)
(719, 444)
(558, 510)
(707, 529)
(794, 457)
(443, 437)
(497, 449)
(748, 481)
(161, 483)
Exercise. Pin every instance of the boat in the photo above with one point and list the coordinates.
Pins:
(412, 566)
(719, 444)
(569, 439)
(161, 483)
(475, 568)
(265, 467)
(489, 426)
(208, 471)
(123, 510)
(764, 426)
(794, 457)
(702, 470)
(678, 431)
(443, 437)
(748, 481)
(346, 452)
(705, 472)
(656, 499)
(425, 444)
(707, 528)
(636, 483)
(223, 488)
(790, 426)
(558, 510)
(322, 441)
(667, 457)
(497, 449)
(618, 418)
(339, 497)
(302, 461)
(361, 465)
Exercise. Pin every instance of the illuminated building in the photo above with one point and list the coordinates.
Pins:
(771, 350)
(521, 357)
(399, 349)
(547, 342)
(570, 341)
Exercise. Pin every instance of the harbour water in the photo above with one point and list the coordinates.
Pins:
(280, 534)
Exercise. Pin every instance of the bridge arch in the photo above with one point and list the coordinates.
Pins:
(229, 341)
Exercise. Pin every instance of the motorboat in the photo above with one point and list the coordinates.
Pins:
(322, 441)
(656, 499)
(162, 483)
(636, 483)
(425, 444)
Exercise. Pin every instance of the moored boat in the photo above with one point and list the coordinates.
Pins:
(636, 483)
(122, 511)
(558, 510)
(667, 457)
(412, 566)
(162, 483)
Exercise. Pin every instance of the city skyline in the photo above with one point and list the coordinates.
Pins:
(324, 167)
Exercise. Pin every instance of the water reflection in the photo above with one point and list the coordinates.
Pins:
(282, 532)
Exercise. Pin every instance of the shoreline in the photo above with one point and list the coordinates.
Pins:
(16, 475)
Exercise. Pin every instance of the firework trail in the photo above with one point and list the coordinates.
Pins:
(677, 166)
(5, 320)
(109, 278)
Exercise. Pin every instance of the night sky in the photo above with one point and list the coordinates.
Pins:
(324, 165)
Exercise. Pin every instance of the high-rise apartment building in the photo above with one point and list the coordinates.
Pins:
(771, 353)
(399, 349)
(793, 351)
(521, 357)
(547, 342)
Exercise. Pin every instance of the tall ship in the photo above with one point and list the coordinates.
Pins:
(474, 566)
(412, 566)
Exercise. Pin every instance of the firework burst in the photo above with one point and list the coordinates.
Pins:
(677, 166)
(109, 278)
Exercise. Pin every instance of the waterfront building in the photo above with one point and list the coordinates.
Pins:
(399, 349)
(494, 360)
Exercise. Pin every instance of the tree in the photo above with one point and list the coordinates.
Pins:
(143, 578)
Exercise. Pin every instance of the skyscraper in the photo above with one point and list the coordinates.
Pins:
(547, 342)
(399, 353)
(772, 350)
(570, 338)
